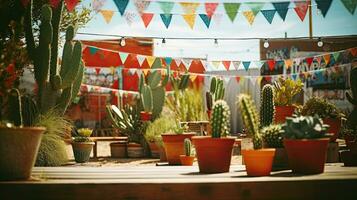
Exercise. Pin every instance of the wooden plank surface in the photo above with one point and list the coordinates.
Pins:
(179, 182)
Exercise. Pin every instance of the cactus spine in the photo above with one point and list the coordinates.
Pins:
(250, 119)
(15, 107)
(188, 147)
(216, 92)
(352, 98)
(220, 119)
(272, 136)
(267, 108)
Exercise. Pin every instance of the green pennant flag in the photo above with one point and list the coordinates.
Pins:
(336, 55)
(269, 15)
(282, 9)
(166, 7)
(206, 19)
(166, 18)
(350, 5)
(255, 7)
(231, 10)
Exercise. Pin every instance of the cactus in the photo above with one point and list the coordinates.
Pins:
(304, 127)
(272, 136)
(15, 107)
(352, 98)
(220, 119)
(216, 92)
(188, 147)
(267, 108)
(56, 88)
(146, 98)
(250, 119)
(29, 111)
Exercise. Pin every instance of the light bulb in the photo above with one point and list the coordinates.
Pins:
(320, 43)
(216, 42)
(122, 42)
(163, 42)
(266, 43)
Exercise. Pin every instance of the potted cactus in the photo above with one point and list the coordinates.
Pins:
(215, 93)
(306, 142)
(82, 145)
(188, 158)
(146, 99)
(214, 152)
(267, 107)
(258, 161)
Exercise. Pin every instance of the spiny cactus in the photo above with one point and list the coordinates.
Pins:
(250, 119)
(267, 108)
(216, 92)
(15, 107)
(29, 110)
(304, 127)
(180, 82)
(220, 119)
(188, 147)
(272, 136)
(352, 98)
(146, 98)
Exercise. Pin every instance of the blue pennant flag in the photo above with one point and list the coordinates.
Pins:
(121, 5)
(323, 6)
(246, 65)
(166, 18)
(93, 50)
(294, 76)
(206, 19)
(269, 15)
(282, 8)
(168, 61)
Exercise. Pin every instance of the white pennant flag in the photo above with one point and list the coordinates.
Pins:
(140, 59)
(178, 61)
(236, 64)
(130, 17)
(187, 62)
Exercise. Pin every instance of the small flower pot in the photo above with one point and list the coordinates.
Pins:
(335, 126)
(213, 154)
(174, 146)
(154, 149)
(135, 150)
(186, 160)
(282, 112)
(307, 156)
(258, 162)
(82, 150)
(118, 149)
(145, 116)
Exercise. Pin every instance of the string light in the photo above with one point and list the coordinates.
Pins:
(320, 43)
(266, 43)
(122, 41)
(216, 42)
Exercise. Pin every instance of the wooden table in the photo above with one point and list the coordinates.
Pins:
(179, 182)
(109, 139)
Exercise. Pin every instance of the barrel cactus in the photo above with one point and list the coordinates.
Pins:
(272, 136)
(220, 119)
(352, 98)
(188, 147)
(267, 108)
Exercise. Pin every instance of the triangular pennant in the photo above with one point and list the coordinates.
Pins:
(166, 6)
(206, 19)
(178, 61)
(259, 64)
(282, 8)
(249, 15)
(269, 15)
(238, 79)
(327, 58)
(246, 65)
(350, 5)
(157, 63)
(123, 57)
(189, 8)
(150, 60)
(140, 59)
(288, 63)
(323, 6)
(132, 71)
(93, 50)
(309, 61)
(336, 55)
(186, 62)
(97, 70)
(210, 8)
(121, 5)
(141, 5)
(130, 17)
(217, 18)
(147, 17)
(107, 15)
(166, 18)
(193, 77)
(301, 8)
(190, 19)
(231, 10)
(226, 79)
(253, 79)
(216, 64)
(145, 71)
(98, 4)
(71, 4)
(353, 52)
(54, 3)
(236, 64)
(271, 64)
(226, 64)
(255, 7)
(168, 61)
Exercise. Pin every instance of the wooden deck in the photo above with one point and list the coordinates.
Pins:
(179, 182)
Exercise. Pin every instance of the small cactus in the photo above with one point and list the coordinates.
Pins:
(267, 108)
(220, 119)
(188, 147)
(272, 136)
(15, 107)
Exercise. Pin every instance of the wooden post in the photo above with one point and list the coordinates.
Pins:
(310, 20)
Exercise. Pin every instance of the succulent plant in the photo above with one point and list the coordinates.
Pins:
(220, 119)
(188, 147)
(272, 136)
(285, 90)
(304, 127)
(320, 107)
(216, 92)
(267, 108)
(352, 98)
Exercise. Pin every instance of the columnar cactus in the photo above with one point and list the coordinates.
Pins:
(272, 136)
(216, 92)
(146, 98)
(188, 147)
(220, 119)
(352, 98)
(267, 108)
(15, 107)
(250, 119)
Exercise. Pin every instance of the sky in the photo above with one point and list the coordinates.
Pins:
(338, 21)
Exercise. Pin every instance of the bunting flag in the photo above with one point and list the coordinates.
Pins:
(217, 18)
(150, 60)
(309, 61)
(97, 70)
(210, 8)
(166, 18)
(166, 7)
(249, 15)
(269, 15)
(189, 8)
(271, 64)
(141, 5)
(236, 64)
(123, 56)
(288, 63)
(93, 50)
(121, 5)
(231, 10)
(282, 8)
(193, 77)
(259, 64)
(145, 71)
(140, 59)
(54, 3)
(238, 79)
(226, 64)
(353, 52)
(206, 19)
(71, 4)
(107, 15)
(187, 63)
(129, 17)
(323, 6)
(246, 65)
(350, 5)
(255, 7)
(327, 58)
(301, 8)
(336, 55)
(190, 19)
(318, 59)
(98, 4)
(177, 61)
(168, 61)
(147, 17)
(216, 64)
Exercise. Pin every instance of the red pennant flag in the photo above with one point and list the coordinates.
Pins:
(267, 78)
(319, 58)
(237, 79)
(55, 3)
(271, 64)
(147, 17)
(301, 9)
(309, 61)
(226, 64)
(71, 4)
(210, 8)
(354, 52)
(97, 70)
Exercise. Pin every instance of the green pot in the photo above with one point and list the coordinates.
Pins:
(82, 151)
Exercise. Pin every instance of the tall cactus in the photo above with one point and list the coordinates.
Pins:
(146, 98)
(352, 98)
(188, 147)
(267, 108)
(15, 107)
(220, 119)
(215, 93)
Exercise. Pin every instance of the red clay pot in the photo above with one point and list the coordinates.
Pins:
(145, 116)
(174, 146)
(155, 152)
(307, 156)
(335, 125)
(258, 162)
(186, 160)
(213, 154)
(281, 112)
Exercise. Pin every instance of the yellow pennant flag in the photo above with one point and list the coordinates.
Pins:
(259, 80)
(249, 15)
(145, 71)
(190, 19)
(150, 60)
(288, 63)
(193, 77)
(189, 8)
(327, 58)
(216, 64)
(107, 14)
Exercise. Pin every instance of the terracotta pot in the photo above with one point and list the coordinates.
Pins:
(82, 150)
(307, 156)
(135, 150)
(145, 116)
(335, 126)
(174, 146)
(281, 112)
(186, 160)
(213, 154)
(18, 151)
(155, 152)
(348, 158)
(162, 152)
(258, 162)
(118, 149)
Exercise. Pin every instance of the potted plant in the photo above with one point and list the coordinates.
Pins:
(188, 158)
(82, 145)
(216, 92)
(306, 142)
(214, 152)
(327, 111)
(18, 145)
(258, 161)
(285, 91)
(146, 99)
